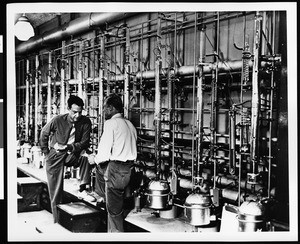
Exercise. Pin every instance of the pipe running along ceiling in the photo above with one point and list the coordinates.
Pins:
(74, 27)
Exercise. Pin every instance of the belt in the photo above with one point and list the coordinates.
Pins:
(122, 162)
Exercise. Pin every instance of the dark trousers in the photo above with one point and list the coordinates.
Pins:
(111, 182)
(55, 176)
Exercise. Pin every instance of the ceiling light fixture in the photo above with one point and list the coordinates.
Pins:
(23, 29)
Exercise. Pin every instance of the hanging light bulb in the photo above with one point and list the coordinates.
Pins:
(23, 29)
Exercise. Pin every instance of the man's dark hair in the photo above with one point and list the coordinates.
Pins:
(115, 101)
(75, 100)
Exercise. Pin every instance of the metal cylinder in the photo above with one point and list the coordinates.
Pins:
(158, 194)
(36, 156)
(26, 151)
(197, 209)
(251, 217)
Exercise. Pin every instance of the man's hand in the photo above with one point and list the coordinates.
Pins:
(59, 147)
(91, 158)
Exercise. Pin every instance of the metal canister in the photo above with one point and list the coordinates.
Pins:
(197, 209)
(251, 216)
(25, 150)
(36, 156)
(158, 194)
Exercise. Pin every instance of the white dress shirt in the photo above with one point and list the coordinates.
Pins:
(118, 141)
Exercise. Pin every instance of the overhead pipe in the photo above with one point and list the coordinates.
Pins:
(74, 27)
(231, 66)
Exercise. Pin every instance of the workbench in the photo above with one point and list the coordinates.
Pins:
(145, 220)
(149, 220)
(71, 185)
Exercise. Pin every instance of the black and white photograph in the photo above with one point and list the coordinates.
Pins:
(151, 122)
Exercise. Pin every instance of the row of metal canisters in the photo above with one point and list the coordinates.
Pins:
(250, 215)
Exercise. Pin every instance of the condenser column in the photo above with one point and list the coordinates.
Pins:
(49, 88)
(101, 82)
(200, 101)
(157, 111)
(36, 100)
(127, 74)
(62, 80)
(255, 99)
(27, 101)
(80, 72)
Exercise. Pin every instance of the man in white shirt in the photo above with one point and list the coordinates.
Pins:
(115, 158)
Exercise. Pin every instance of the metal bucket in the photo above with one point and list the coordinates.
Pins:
(37, 156)
(157, 199)
(250, 223)
(251, 217)
(158, 194)
(25, 151)
(197, 214)
(197, 209)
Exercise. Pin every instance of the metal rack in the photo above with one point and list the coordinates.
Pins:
(170, 96)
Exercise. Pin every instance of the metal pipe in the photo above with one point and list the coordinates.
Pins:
(170, 94)
(194, 176)
(36, 100)
(80, 71)
(73, 28)
(101, 82)
(200, 99)
(171, 99)
(232, 140)
(214, 100)
(127, 74)
(255, 95)
(27, 101)
(271, 109)
(31, 124)
(49, 87)
(157, 112)
(141, 80)
(244, 79)
(182, 71)
(62, 80)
